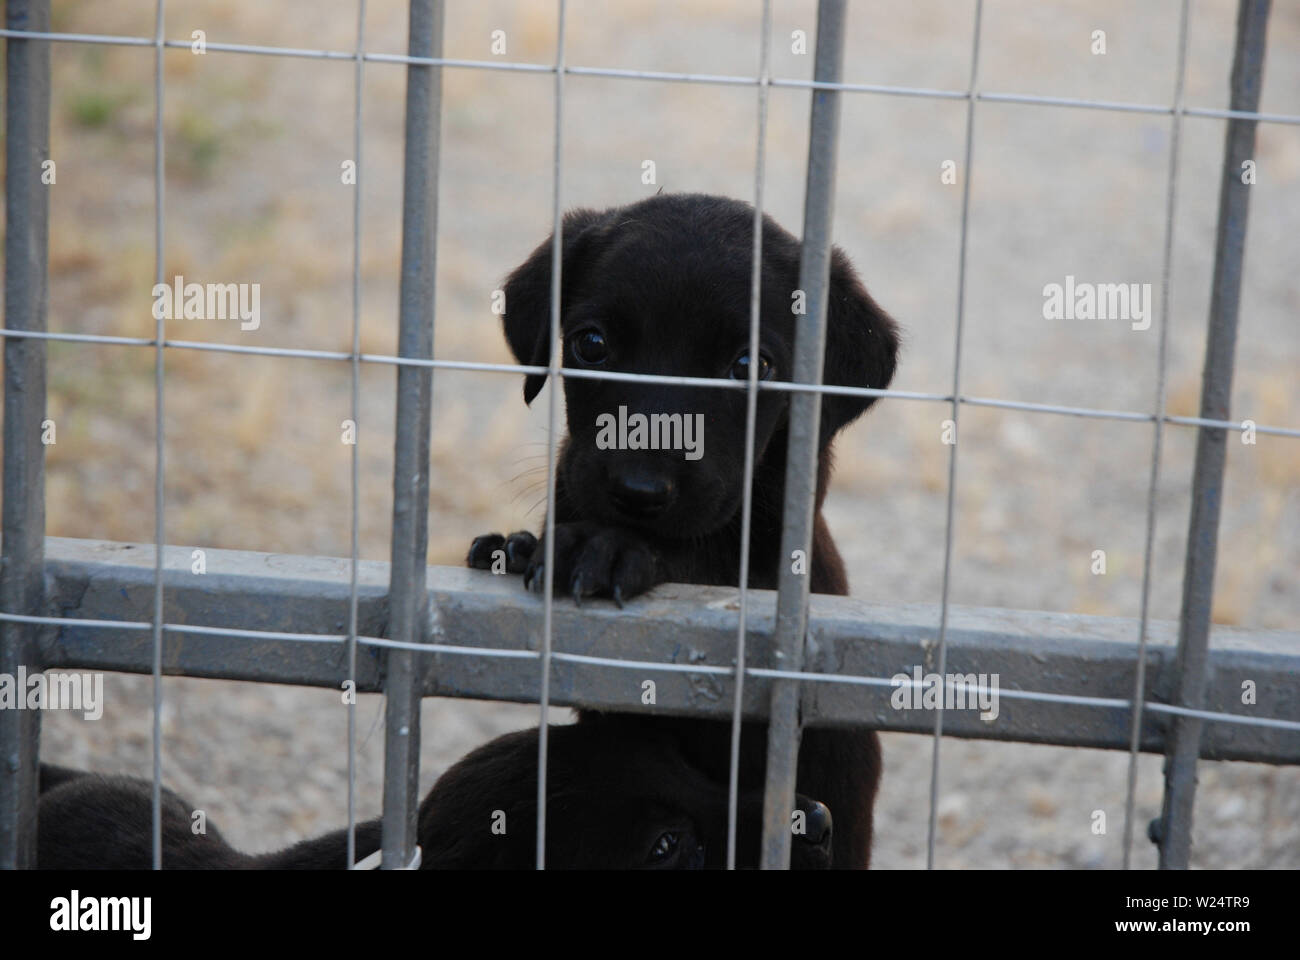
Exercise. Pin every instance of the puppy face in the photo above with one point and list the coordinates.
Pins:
(663, 287)
(616, 799)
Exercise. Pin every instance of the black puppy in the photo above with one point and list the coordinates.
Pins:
(616, 799)
(663, 287)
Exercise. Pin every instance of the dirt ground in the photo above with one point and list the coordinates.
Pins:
(254, 151)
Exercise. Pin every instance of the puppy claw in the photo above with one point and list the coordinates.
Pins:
(618, 595)
(577, 589)
(519, 547)
(481, 550)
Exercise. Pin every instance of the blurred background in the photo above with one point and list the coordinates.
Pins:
(254, 148)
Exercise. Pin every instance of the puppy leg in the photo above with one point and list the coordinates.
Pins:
(842, 769)
(595, 560)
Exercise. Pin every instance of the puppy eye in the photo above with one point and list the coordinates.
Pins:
(740, 369)
(590, 348)
(664, 847)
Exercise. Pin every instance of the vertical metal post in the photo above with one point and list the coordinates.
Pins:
(27, 208)
(1175, 828)
(408, 595)
(805, 423)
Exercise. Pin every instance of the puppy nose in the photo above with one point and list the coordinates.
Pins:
(817, 822)
(640, 490)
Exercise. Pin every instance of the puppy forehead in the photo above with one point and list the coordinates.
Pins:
(674, 284)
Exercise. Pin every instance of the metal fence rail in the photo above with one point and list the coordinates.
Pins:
(272, 618)
(786, 657)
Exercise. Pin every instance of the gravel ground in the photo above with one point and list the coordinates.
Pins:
(254, 148)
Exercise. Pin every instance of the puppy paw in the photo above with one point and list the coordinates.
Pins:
(596, 561)
(517, 548)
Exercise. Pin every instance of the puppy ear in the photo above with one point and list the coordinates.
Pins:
(861, 346)
(528, 293)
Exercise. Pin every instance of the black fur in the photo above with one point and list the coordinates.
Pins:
(663, 287)
(614, 795)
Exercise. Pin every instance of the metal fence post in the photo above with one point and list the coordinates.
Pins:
(1174, 830)
(22, 581)
(408, 593)
(805, 423)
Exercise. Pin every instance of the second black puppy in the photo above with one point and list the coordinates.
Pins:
(650, 479)
(617, 798)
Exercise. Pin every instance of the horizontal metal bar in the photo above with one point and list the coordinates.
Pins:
(622, 663)
(474, 366)
(1023, 99)
(614, 73)
(104, 38)
(666, 76)
(925, 93)
(852, 646)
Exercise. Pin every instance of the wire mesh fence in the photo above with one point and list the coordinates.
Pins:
(1195, 691)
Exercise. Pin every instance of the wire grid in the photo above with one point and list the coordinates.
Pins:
(546, 655)
(660, 75)
(777, 385)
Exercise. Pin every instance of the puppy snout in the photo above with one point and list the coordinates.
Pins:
(817, 823)
(639, 490)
